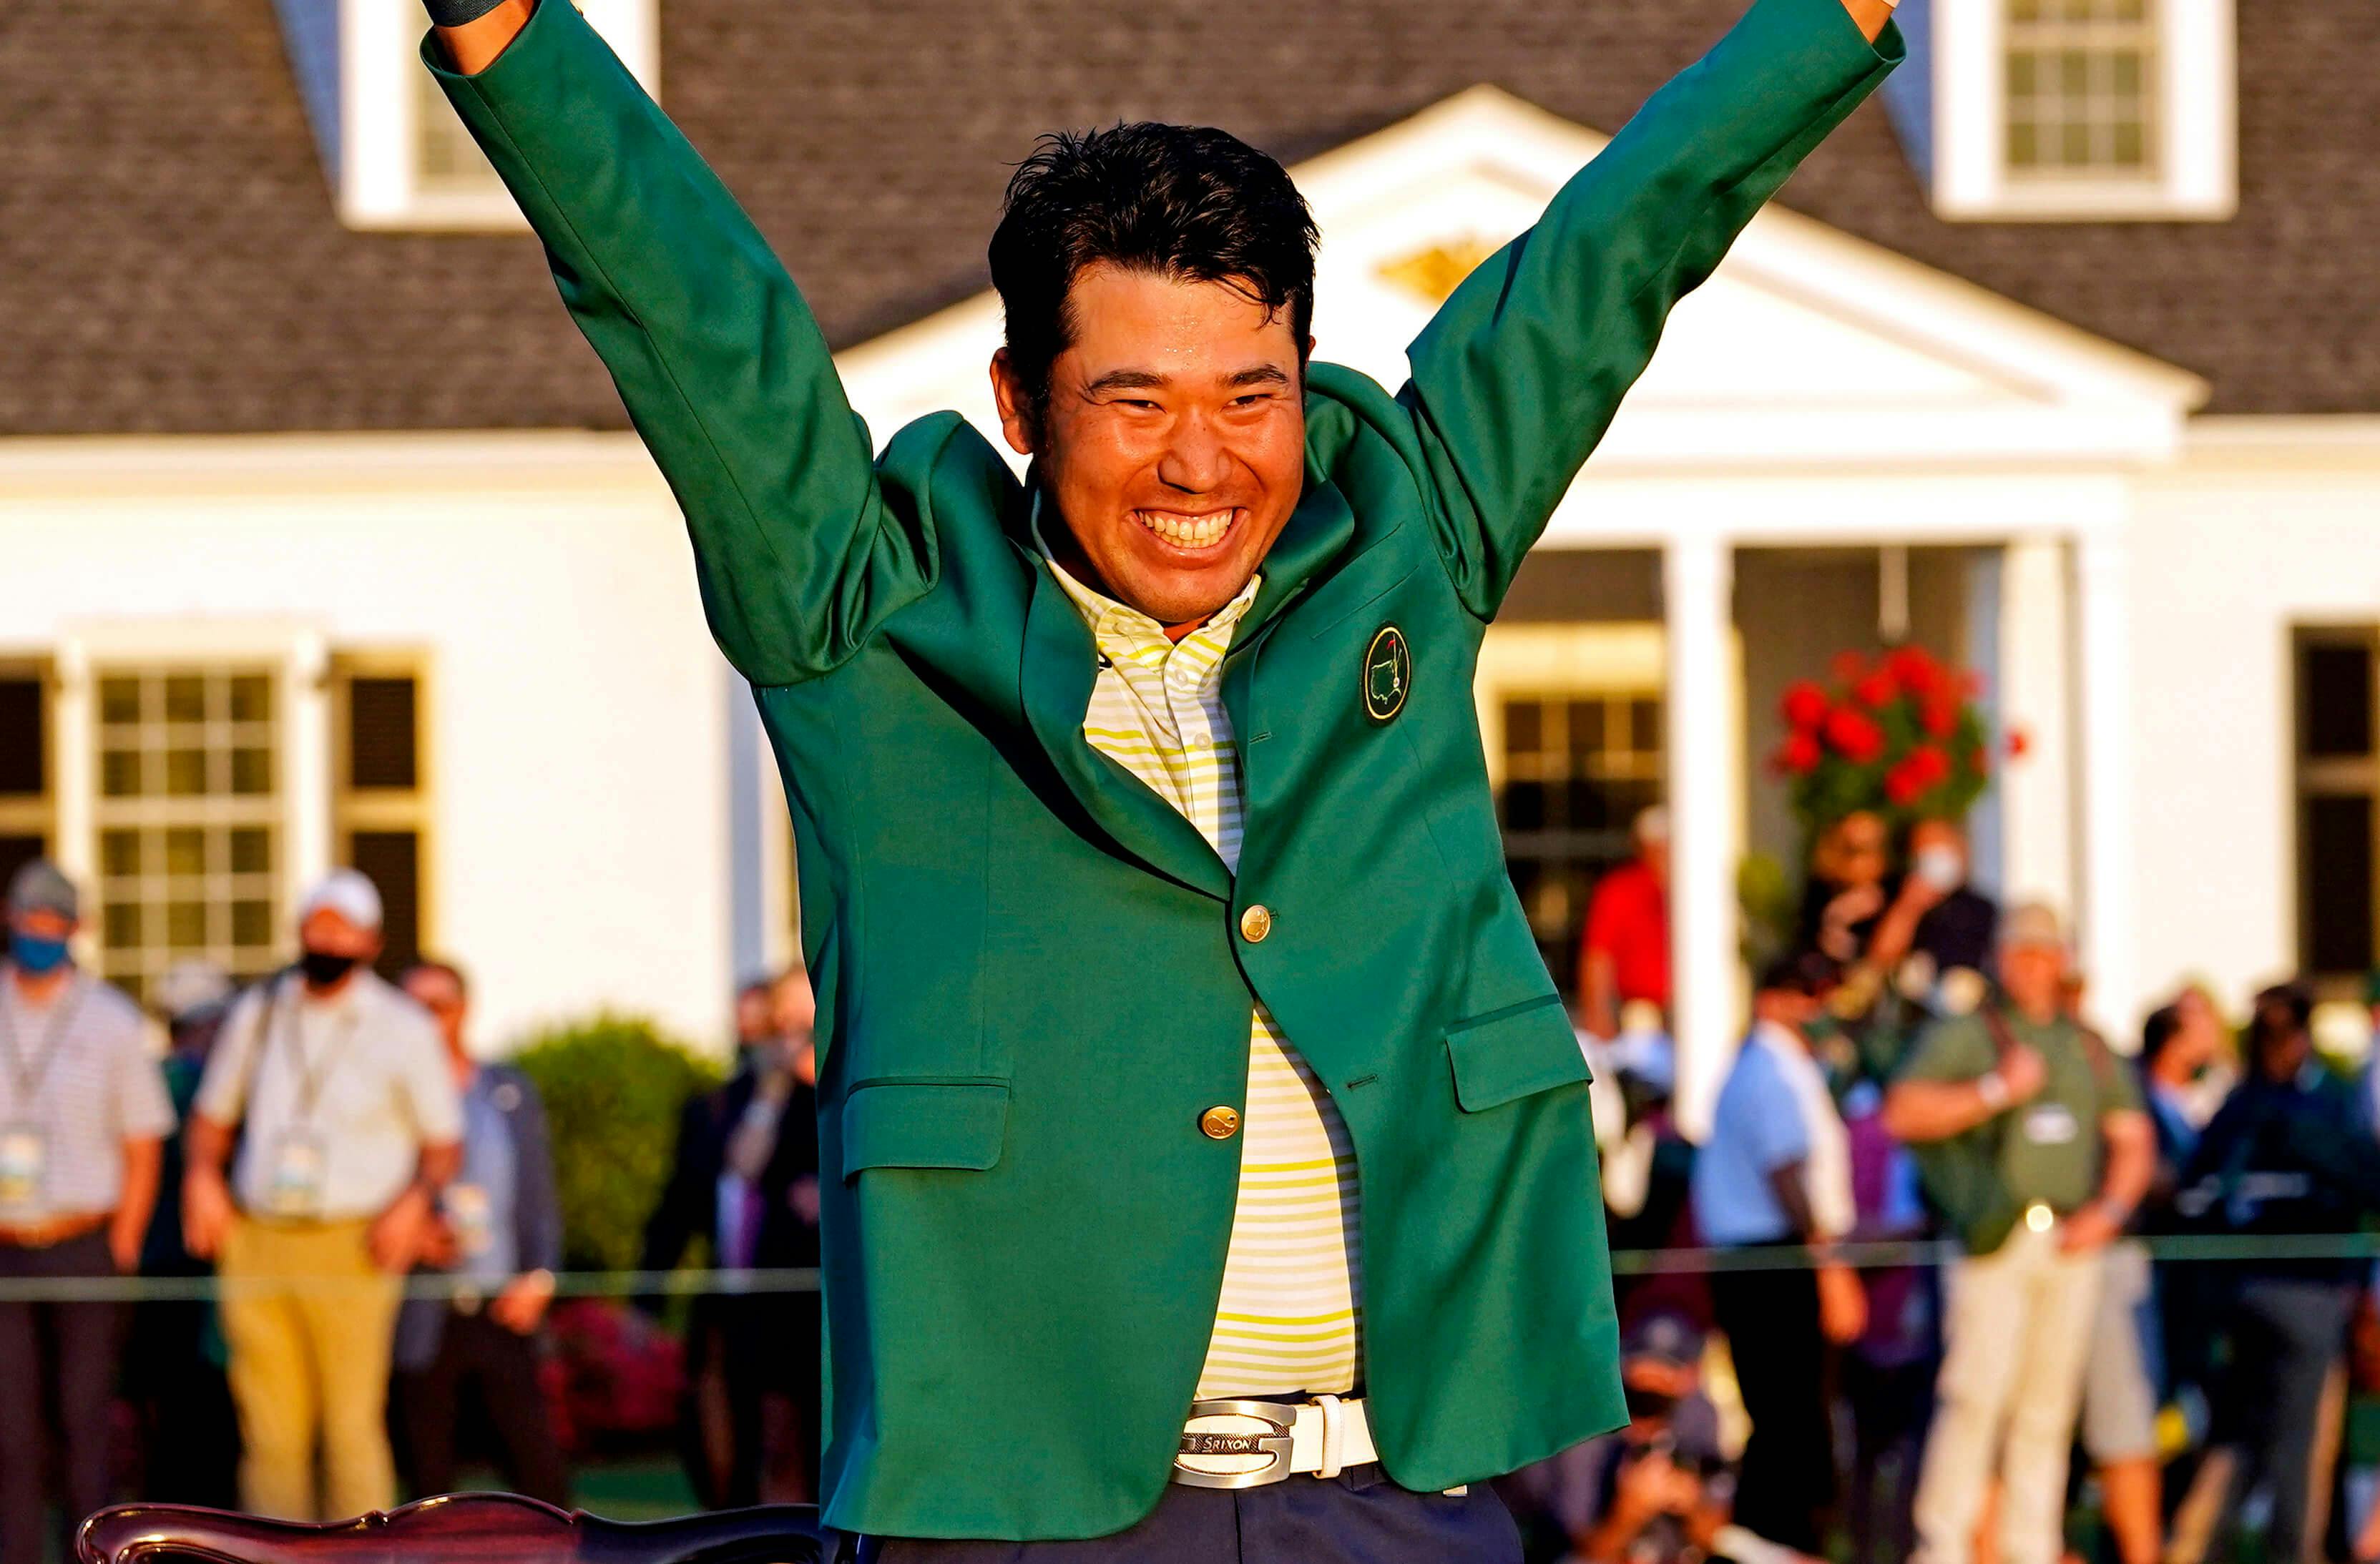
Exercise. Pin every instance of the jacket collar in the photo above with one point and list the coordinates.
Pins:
(1317, 532)
(1060, 666)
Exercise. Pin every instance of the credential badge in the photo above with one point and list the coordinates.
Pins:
(1387, 674)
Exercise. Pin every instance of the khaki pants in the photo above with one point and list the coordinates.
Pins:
(310, 1321)
(2019, 1327)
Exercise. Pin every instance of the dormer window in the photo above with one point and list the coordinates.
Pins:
(2084, 110)
(404, 160)
(2082, 89)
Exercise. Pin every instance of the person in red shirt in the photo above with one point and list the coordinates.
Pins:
(1624, 957)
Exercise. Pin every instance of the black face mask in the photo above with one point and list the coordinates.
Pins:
(1645, 1405)
(323, 968)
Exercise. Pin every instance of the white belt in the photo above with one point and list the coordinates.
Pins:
(1249, 1444)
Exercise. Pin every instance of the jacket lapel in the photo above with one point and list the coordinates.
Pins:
(1317, 532)
(1060, 667)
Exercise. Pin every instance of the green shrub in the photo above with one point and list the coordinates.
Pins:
(614, 1087)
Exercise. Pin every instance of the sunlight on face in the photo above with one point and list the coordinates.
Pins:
(1174, 441)
(2034, 976)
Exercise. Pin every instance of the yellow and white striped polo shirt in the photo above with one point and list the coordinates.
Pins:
(1288, 1320)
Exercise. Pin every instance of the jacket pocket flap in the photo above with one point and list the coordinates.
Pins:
(1512, 1052)
(924, 1124)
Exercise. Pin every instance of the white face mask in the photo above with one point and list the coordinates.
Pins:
(1940, 867)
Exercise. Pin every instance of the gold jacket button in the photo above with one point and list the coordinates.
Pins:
(1221, 1124)
(1256, 922)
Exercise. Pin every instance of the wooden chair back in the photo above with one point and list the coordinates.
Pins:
(454, 1529)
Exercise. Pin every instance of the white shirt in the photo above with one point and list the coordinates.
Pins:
(361, 1079)
(77, 1078)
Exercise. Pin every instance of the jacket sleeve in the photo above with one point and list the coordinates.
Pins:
(1520, 372)
(723, 369)
(679, 1213)
(537, 1212)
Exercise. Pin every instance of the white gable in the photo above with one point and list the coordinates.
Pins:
(1807, 345)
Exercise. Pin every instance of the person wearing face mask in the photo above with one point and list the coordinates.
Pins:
(2036, 1150)
(1935, 940)
(349, 1127)
(83, 1115)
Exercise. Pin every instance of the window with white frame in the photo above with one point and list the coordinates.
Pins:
(406, 160)
(2338, 802)
(188, 819)
(2085, 109)
(1578, 767)
(2082, 89)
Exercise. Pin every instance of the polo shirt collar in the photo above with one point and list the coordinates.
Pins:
(1117, 623)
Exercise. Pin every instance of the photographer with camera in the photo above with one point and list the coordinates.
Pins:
(1657, 1491)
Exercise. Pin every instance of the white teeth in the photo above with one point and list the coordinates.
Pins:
(1189, 531)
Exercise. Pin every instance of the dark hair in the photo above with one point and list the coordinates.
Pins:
(2281, 1013)
(452, 973)
(2164, 1025)
(1807, 973)
(1178, 200)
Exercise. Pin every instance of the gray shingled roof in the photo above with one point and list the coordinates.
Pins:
(170, 261)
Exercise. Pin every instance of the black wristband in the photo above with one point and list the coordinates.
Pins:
(455, 13)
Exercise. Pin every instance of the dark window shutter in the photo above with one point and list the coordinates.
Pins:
(382, 748)
(2338, 701)
(23, 746)
(16, 852)
(393, 860)
(2338, 868)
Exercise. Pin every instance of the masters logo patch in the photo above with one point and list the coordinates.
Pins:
(1387, 674)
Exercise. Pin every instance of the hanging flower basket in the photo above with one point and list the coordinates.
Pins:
(1899, 735)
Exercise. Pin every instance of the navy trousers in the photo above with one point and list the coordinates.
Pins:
(1359, 1517)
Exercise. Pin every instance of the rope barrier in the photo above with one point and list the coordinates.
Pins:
(2194, 1248)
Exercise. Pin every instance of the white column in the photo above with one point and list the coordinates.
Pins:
(747, 866)
(1982, 653)
(1706, 819)
(2036, 794)
(74, 782)
(306, 769)
(2109, 939)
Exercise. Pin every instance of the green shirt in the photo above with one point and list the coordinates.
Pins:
(2049, 1148)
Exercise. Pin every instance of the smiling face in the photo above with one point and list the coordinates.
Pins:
(1173, 441)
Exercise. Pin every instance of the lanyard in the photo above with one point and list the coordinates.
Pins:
(311, 1080)
(27, 1076)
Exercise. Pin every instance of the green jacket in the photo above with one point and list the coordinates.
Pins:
(1030, 972)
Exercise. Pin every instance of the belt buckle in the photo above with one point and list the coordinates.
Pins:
(1274, 1446)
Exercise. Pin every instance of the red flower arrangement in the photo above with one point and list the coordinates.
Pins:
(1899, 735)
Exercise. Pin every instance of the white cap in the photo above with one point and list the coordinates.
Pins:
(2032, 924)
(346, 892)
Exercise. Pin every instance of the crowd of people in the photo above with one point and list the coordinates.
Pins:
(1918, 1079)
(1813, 1379)
(312, 1142)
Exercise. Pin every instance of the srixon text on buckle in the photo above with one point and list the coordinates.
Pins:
(1234, 1445)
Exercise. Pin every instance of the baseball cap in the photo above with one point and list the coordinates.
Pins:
(190, 987)
(2032, 926)
(347, 892)
(40, 887)
(1664, 1337)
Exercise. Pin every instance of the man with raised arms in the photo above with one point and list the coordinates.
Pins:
(1209, 1172)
